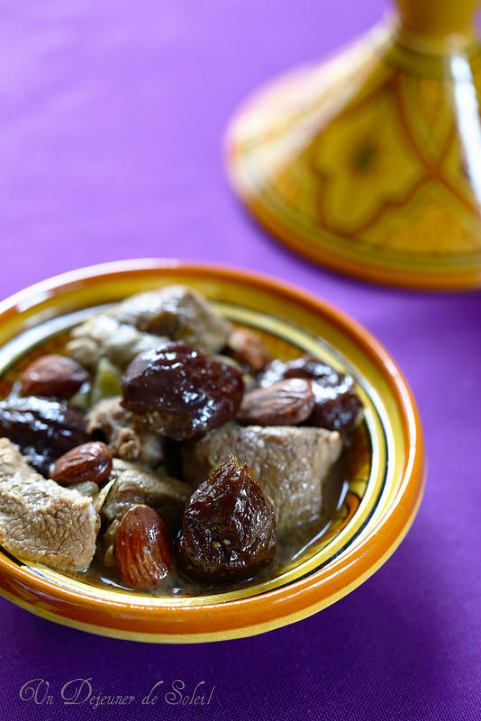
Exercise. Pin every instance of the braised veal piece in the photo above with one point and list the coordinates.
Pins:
(127, 434)
(40, 520)
(134, 484)
(166, 448)
(290, 464)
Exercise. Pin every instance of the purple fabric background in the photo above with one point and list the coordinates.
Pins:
(111, 121)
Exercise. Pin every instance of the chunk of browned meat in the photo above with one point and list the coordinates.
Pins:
(134, 484)
(179, 313)
(103, 336)
(125, 434)
(290, 464)
(39, 520)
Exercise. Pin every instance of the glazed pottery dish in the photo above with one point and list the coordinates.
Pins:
(401, 207)
(128, 586)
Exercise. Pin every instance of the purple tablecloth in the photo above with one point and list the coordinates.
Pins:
(111, 120)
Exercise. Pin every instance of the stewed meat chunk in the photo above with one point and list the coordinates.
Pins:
(290, 464)
(105, 337)
(179, 313)
(125, 433)
(134, 484)
(41, 521)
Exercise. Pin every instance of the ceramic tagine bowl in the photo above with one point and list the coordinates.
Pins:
(368, 163)
(383, 470)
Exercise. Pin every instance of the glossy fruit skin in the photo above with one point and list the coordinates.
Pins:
(286, 403)
(44, 429)
(53, 376)
(180, 391)
(142, 549)
(90, 462)
(229, 529)
(337, 405)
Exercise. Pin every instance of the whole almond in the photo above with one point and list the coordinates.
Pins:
(283, 404)
(53, 376)
(248, 348)
(338, 406)
(88, 462)
(142, 550)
